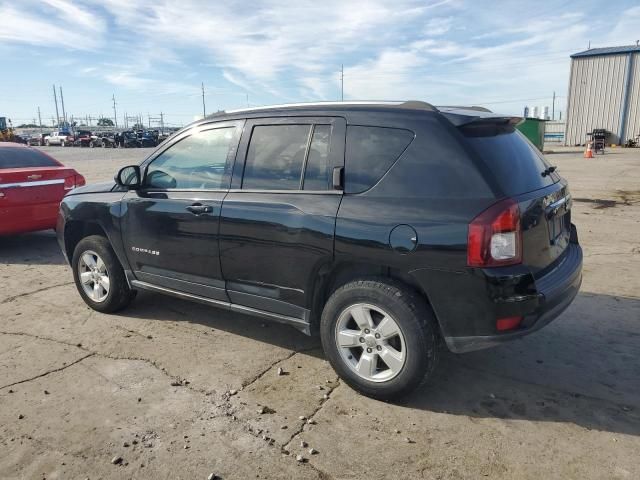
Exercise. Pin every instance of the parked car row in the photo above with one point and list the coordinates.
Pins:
(86, 138)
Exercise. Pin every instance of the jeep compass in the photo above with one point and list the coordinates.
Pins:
(386, 228)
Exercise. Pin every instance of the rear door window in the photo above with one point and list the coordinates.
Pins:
(24, 158)
(276, 156)
(515, 163)
(370, 152)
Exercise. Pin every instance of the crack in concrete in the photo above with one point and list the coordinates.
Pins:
(43, 289)
(313, 414)
(257, 377)
(226, 409)
(111, 357)
(48, 372)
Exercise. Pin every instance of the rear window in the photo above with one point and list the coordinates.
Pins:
(370, 153)
(23, 158)
(512, 160)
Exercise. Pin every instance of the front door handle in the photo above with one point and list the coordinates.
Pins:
(199, 209)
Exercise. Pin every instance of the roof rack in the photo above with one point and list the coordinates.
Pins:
(410, 104)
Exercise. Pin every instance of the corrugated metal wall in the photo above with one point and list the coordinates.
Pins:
(554, 131)
(596, 88)
(632, 127)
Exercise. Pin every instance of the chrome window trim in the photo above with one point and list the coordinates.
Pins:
(38, 183)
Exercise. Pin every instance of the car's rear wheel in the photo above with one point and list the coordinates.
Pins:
(46, 142)
(104, 144)
(98, 275)
(380, 337)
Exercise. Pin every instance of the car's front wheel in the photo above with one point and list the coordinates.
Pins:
(380, 337)
(98, 275)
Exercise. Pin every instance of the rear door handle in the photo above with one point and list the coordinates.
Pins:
(199, 209)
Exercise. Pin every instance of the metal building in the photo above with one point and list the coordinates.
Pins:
(604, 92)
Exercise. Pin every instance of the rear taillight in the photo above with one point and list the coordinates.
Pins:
(508, 323)
(73, 181)
(495, 236)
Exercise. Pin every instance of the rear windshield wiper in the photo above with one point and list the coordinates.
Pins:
(549, 171)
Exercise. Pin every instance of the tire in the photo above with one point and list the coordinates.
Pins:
(46, 142)
(63, 143)
(104, 144)
(416, 341)
(118, 295)
(92, 144)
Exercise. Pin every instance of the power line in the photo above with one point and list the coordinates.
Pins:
(516, 100)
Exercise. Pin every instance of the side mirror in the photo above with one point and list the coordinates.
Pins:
(129, 177)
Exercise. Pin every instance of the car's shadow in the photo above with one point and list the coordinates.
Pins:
(584, 369)
(152, 306)
(38, 248)
(577, 370)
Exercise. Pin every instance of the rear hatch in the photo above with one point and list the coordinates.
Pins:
(518, 170)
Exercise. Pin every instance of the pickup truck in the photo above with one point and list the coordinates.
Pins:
(59, 138)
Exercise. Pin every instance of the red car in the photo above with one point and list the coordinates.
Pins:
(32, 184)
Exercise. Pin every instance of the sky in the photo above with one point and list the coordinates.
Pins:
(153, 55)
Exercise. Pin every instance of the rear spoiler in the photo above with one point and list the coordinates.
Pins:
(459, 116)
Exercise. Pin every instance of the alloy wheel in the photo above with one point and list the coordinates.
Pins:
(370, 342)
(94, 276)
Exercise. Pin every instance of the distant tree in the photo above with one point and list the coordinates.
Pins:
(105, 122)
(28, 125)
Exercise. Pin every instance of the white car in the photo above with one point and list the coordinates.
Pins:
(59, 138)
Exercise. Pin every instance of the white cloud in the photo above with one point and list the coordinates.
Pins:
(450, 51)
(438, 26)
(62, 24)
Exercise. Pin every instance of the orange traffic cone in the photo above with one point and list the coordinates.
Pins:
(588, 153)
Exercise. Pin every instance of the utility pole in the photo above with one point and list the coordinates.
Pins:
(162, 122)
(115, 115)
(204, 109)
(342, 83)
(55, 99)
(39, 120)
(64, 115)
(553, 107)
(247, 94)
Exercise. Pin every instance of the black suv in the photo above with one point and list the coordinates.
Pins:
(384, 227)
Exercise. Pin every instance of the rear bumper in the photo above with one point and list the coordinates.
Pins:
(554, 293)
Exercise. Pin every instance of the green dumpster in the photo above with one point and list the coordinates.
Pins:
(533, 129)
